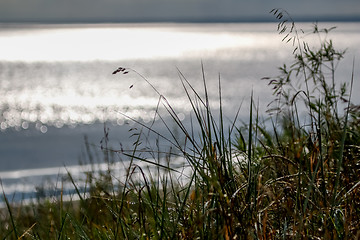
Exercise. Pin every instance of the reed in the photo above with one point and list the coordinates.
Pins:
(292, 174)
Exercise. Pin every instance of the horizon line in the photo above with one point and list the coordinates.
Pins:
(182, 20)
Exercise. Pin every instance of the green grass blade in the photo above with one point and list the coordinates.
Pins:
(10, 212)
(342, 143)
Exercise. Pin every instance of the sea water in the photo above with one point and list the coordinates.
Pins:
(57, 86)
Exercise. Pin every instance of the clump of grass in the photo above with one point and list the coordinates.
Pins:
(293, 175)
(322, 144)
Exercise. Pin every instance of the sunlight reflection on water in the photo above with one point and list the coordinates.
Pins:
(42, 81)
(56, 75)
(114, 42)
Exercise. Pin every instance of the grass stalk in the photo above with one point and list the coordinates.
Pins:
(298, 180)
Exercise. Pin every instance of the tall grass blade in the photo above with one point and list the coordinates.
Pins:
(342, 143)
(183, 204)
(10, 212)
(75, 186)
(249, 153)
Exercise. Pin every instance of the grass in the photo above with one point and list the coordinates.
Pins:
(292, 174)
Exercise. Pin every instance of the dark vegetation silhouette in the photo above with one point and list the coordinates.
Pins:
(292, 174)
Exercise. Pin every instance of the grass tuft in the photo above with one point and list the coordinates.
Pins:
(292, 174)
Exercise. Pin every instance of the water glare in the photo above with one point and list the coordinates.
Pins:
(57, 75)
